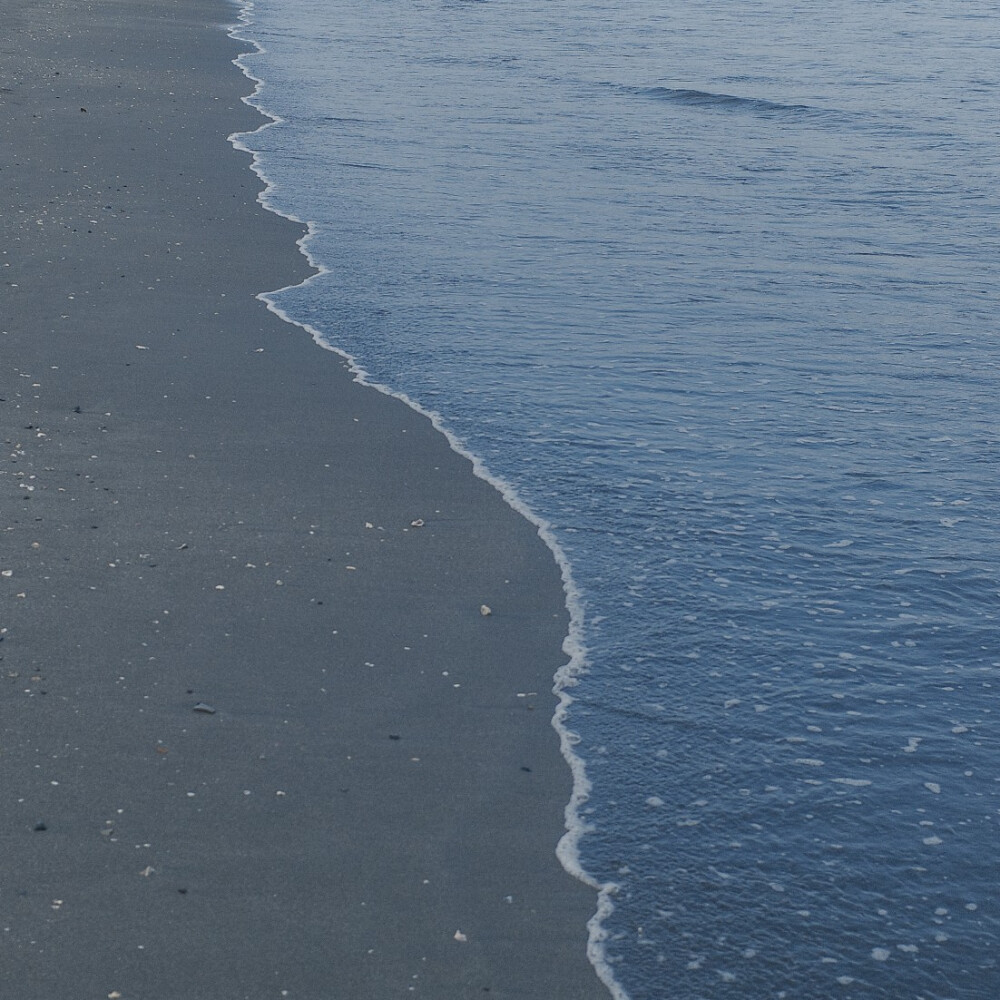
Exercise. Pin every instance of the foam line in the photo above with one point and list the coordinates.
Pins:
(568, 848)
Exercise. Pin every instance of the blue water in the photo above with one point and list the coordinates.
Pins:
(714, 288)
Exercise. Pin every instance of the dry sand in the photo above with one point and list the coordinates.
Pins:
(198, 507)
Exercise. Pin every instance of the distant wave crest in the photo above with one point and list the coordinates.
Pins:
(730, 103)
(725, 102)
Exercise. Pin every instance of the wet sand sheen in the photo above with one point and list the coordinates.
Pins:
(202, 511)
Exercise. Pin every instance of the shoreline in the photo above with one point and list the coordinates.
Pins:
(567, 849)
(201, 511)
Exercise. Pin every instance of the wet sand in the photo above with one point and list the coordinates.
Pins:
(256, 738)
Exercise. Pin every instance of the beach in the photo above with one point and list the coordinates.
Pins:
(277, 668)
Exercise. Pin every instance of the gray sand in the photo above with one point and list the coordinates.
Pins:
(199, 507)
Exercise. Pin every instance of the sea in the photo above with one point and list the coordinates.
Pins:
(710, 291)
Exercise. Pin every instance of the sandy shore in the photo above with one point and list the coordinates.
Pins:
(200, 510)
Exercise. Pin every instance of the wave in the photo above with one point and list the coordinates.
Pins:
(875, 123)
(731, 103)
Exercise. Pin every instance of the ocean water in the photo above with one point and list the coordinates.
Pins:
(713, 289)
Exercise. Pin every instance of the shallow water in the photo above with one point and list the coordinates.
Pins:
(715, 290)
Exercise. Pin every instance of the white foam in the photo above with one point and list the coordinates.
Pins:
(565, 678)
